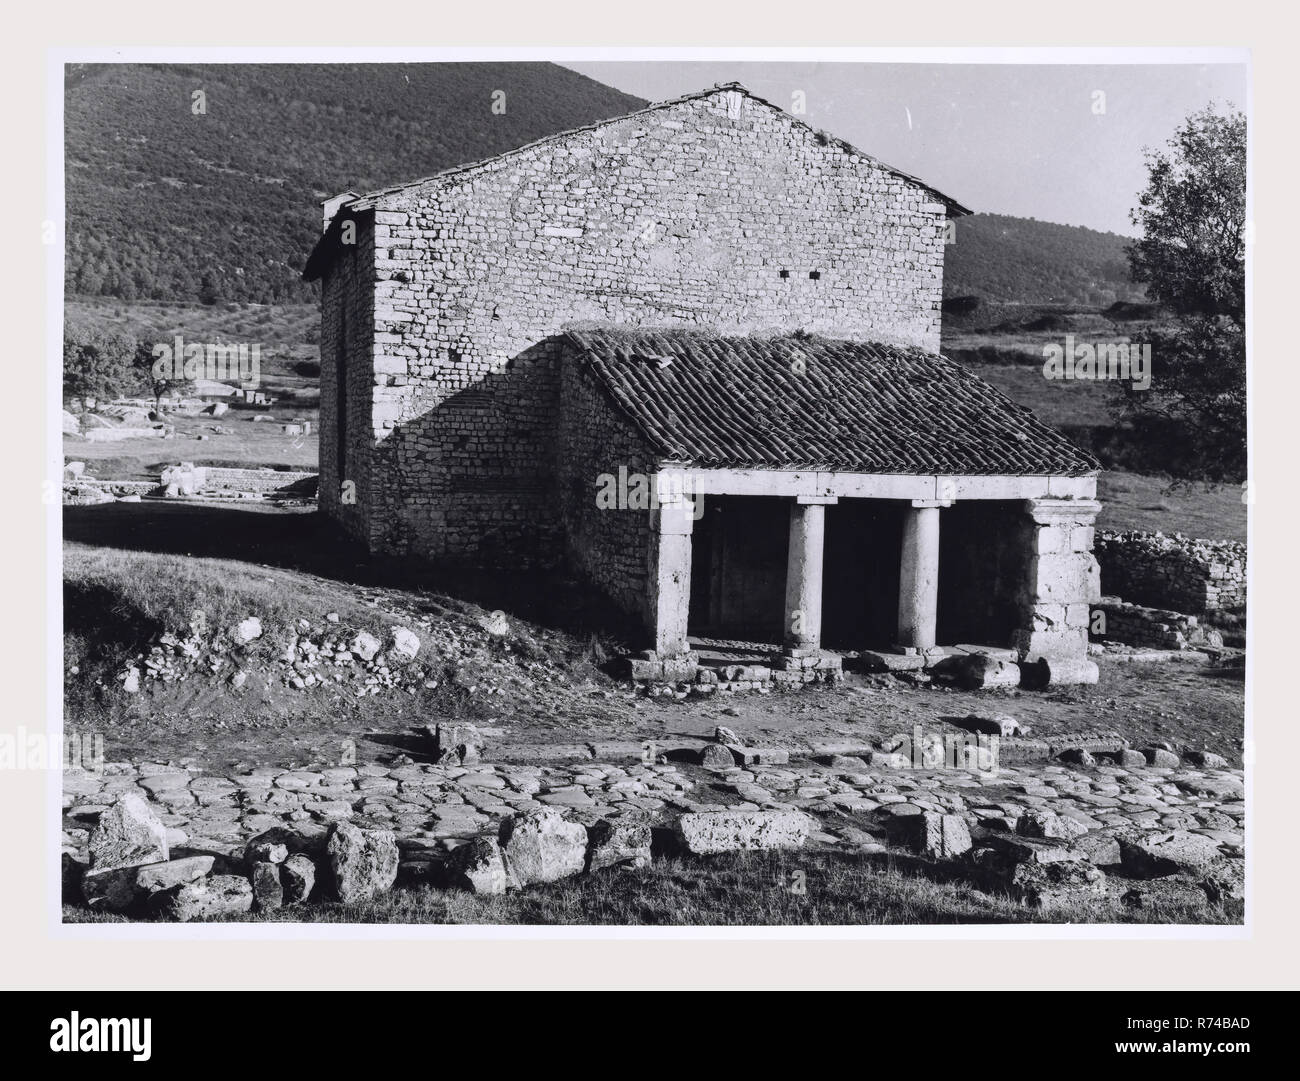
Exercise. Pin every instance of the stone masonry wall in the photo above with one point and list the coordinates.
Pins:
(1114, 620)
(1172, 571)
(686, 215)
(346, 338)
(609, 546)
(1062, 579)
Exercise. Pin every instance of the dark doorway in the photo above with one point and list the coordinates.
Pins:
(864, 542)
(738, 556)
(982, 552)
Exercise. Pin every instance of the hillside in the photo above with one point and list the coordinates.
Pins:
(168, 205)
(164, 204)
(1024, 261)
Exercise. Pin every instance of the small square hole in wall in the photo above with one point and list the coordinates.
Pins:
(815, 275)
(784, 274)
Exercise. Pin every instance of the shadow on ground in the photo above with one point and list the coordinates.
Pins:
(306, 540)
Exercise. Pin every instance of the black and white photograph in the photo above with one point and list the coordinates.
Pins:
(766, 493)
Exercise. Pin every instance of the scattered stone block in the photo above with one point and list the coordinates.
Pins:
(155, 877)
(976, 671)
(213, 897)
(1021, 849)
(365, 646)
(458, 743)
(1100, 849)
(939, 836)
(363, 863)
(716, 756)
(248, 630)
(268, 893)
(1207, 760)
(128, 834)
(297, 878)
(618, 844)
(761, 756)
(480, 867)
(874, 661)
(1049, 826)
(266, 852)
(1166, 852)
(1056, 885)
(405, 644)
(1225, 879)
(304, 837)
(542, 846)
(1160, 758)
(707, 832)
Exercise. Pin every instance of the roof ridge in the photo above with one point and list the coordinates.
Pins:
(367, 200)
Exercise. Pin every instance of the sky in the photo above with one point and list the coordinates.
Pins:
(1036, 141)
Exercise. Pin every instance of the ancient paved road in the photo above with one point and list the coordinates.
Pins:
(431, 807)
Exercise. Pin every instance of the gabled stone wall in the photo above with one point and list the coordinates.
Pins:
(717, 211)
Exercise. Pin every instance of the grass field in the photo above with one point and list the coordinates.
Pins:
(748, 889)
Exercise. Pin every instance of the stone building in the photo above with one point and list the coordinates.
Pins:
(692, 353)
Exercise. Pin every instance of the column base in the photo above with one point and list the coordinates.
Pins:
(651, 667)
(807, 660)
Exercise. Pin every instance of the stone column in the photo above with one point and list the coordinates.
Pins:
(670, 576)
(1061, 583)
(803, 574)
(918, 584)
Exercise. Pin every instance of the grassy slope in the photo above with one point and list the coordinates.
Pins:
(1000, 257)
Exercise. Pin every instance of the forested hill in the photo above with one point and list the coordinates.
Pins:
(166, 203)
(1022, 260)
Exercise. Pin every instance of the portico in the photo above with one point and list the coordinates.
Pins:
(1053, 527)
(936, 513)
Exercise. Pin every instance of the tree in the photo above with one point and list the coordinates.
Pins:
(1191, 257)
(160, 375)
(98, 364)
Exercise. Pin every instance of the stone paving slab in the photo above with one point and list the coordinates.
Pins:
(447, 805)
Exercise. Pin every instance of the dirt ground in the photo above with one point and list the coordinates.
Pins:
(1182, 704)
(551, 693)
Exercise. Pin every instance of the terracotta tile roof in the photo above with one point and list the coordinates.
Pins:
(810, 403)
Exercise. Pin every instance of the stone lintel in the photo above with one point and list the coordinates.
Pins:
(795, 482)
(1050, 511)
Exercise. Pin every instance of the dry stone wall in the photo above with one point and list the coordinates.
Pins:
(1172, 571)
(717, 211)
(1114, 620)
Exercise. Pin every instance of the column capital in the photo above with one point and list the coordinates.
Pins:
(817, 500)
(1048, 510)
(930, 504)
